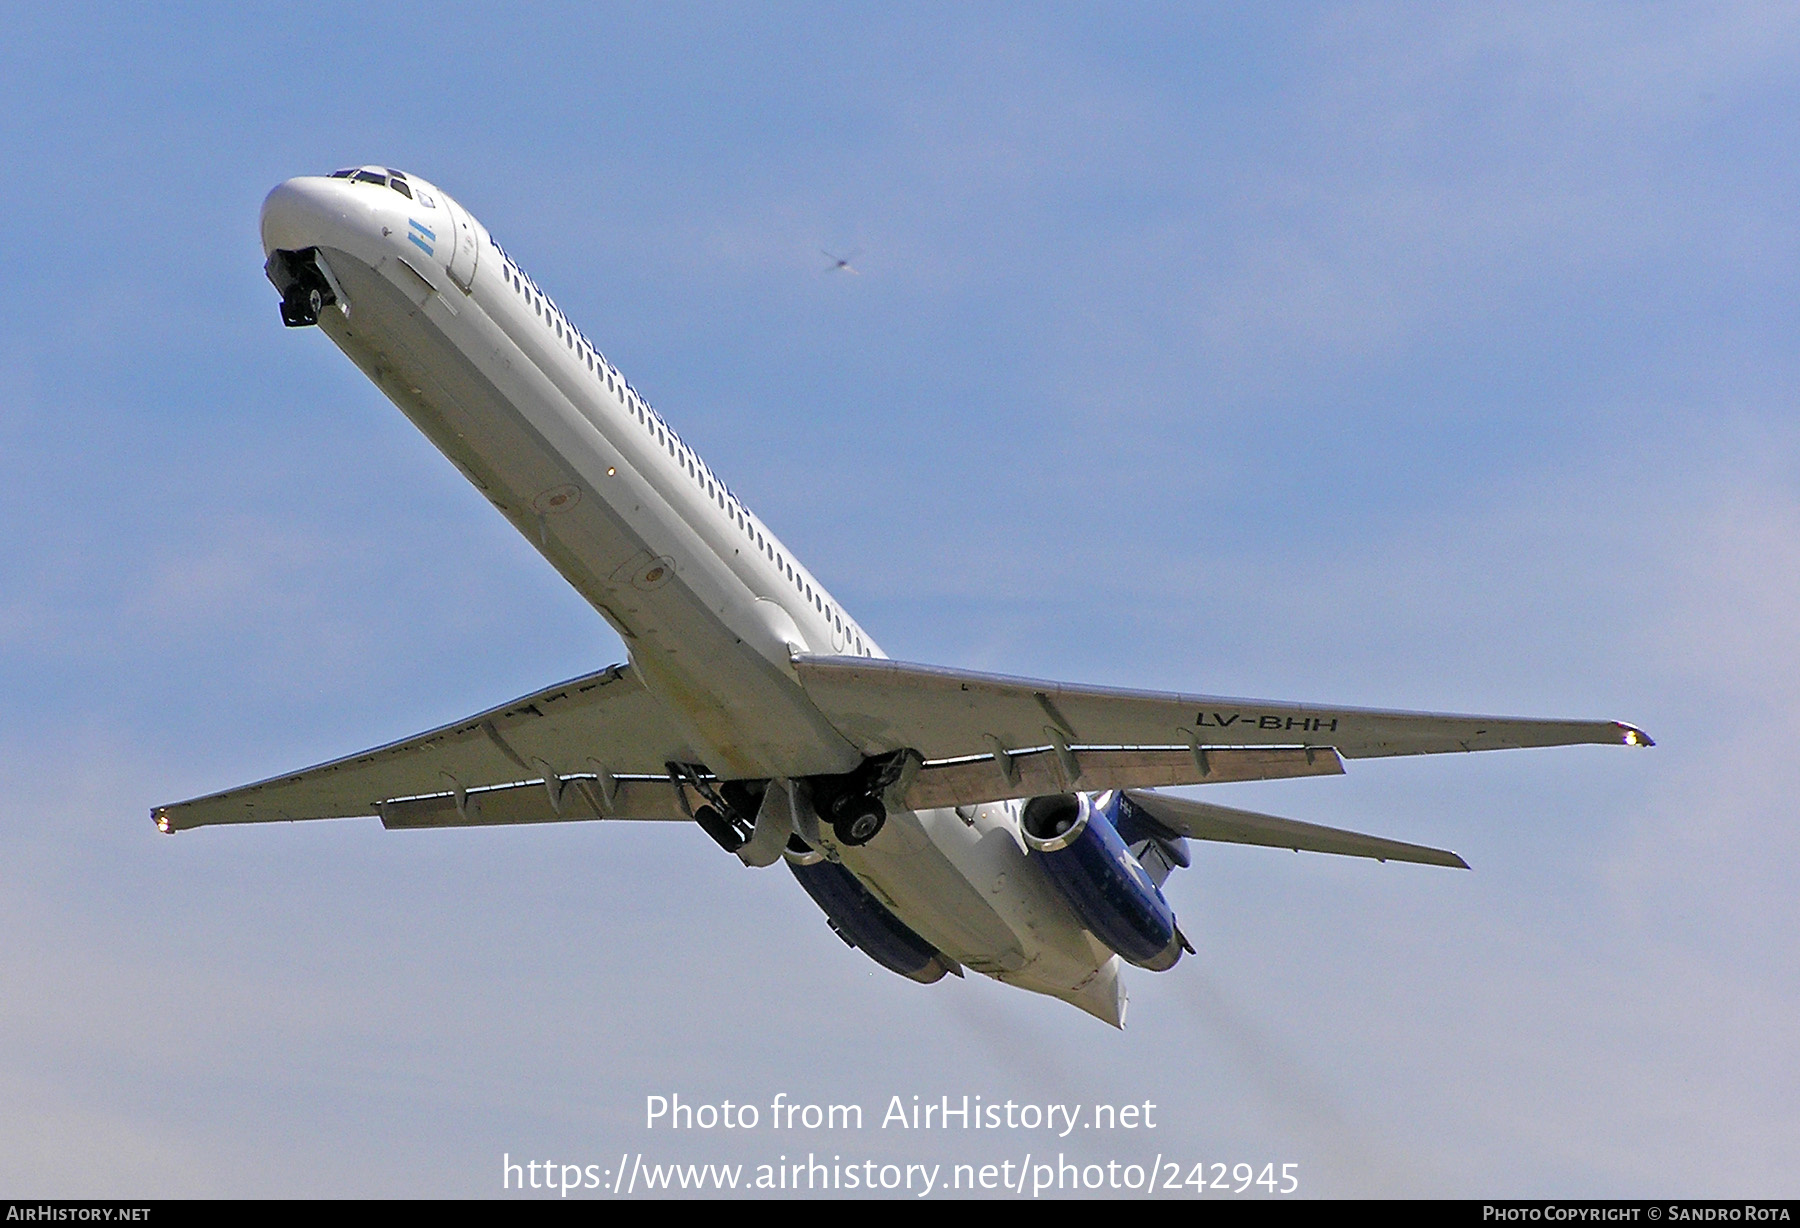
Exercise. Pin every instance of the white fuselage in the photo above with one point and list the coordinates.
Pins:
(709, 603)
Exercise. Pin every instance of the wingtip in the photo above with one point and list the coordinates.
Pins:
(1631, 735)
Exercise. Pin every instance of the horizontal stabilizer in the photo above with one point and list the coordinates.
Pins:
(1204, 821)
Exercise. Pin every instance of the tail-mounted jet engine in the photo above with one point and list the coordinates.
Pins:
(861, 920)
(306, 285)
(1112, 894)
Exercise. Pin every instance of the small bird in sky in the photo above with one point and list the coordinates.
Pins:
(840, 264)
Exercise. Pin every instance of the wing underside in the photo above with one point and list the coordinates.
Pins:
(599, 746)
(946, 714)
(986, 737)
(602, 735)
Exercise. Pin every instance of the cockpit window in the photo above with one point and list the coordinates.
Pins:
(387, 177)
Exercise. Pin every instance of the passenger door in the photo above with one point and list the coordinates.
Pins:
(467, 251)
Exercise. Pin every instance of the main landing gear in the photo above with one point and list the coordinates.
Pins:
(852, 803)
(855, 820)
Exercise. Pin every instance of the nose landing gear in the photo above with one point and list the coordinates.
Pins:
(305, 283)
(301, 306)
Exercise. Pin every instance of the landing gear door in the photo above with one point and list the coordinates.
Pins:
(467, 252)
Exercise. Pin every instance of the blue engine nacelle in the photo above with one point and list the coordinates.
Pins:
(862, 921)
(1110, 891)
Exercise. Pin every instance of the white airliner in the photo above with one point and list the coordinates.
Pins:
(942, 819)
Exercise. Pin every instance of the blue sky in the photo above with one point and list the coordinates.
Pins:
(1434, 357)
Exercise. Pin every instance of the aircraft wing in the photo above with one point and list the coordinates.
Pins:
(600, 741)
(597, 746)
(1204, 821)
(987, 728)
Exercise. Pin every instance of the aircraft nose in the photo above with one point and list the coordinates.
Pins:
(301, 213)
